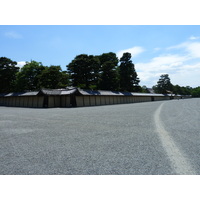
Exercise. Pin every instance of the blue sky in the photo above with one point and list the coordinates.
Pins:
(155, 49)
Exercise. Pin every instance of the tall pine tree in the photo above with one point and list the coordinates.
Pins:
(129, 80)
(164, 84)
(108, 72)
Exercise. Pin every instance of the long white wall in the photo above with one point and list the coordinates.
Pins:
(109, 100)
(82, 100)
(22, 101)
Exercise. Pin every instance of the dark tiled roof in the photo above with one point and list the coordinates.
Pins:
(79, 91)
(30, 93)
(15, 94)
(67, 92)
(2, 94)
(58, 91)
(50, 92)
(115, 93)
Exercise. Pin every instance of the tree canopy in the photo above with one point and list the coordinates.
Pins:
(83, 71)
(99, 72)
(29, 76)
(108, 73)
(102, 72)
(196, 92)
(34, 76)
(129, 80)
(163, 85)
(8, 71)
(53, 78)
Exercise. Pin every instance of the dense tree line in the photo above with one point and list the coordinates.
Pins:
(102, 72)
(8, 72)
(164, 86)
(32, 76)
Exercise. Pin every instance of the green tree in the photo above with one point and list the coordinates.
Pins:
(163, 85)
(53, 78)
(95, 72)
(144, 89)
(64, 82)
(108, 72)
(187, 90)
(129, 80)
(29, 76)
(8, 71)
(182, 90)
(177, 89)
(196, 92)
(84, 70)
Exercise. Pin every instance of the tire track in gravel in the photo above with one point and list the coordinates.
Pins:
(178, 161)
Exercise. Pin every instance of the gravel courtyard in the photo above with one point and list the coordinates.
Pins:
(114, 139)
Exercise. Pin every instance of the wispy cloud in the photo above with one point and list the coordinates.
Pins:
(187, 75)
(162, 63)
(135, 51)
(191, 48)
(13, 34)
(182, 66)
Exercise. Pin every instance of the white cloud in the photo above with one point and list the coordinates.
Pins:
(188, 75)
(135, 51)
(191, 67)
(13, 34)
(194, 49)
(191, 48)
(162, 63)
(149, 78)
(183, 66)
(21, 64)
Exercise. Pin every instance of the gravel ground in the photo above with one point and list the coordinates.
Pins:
(114, 139)
(184, 127)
